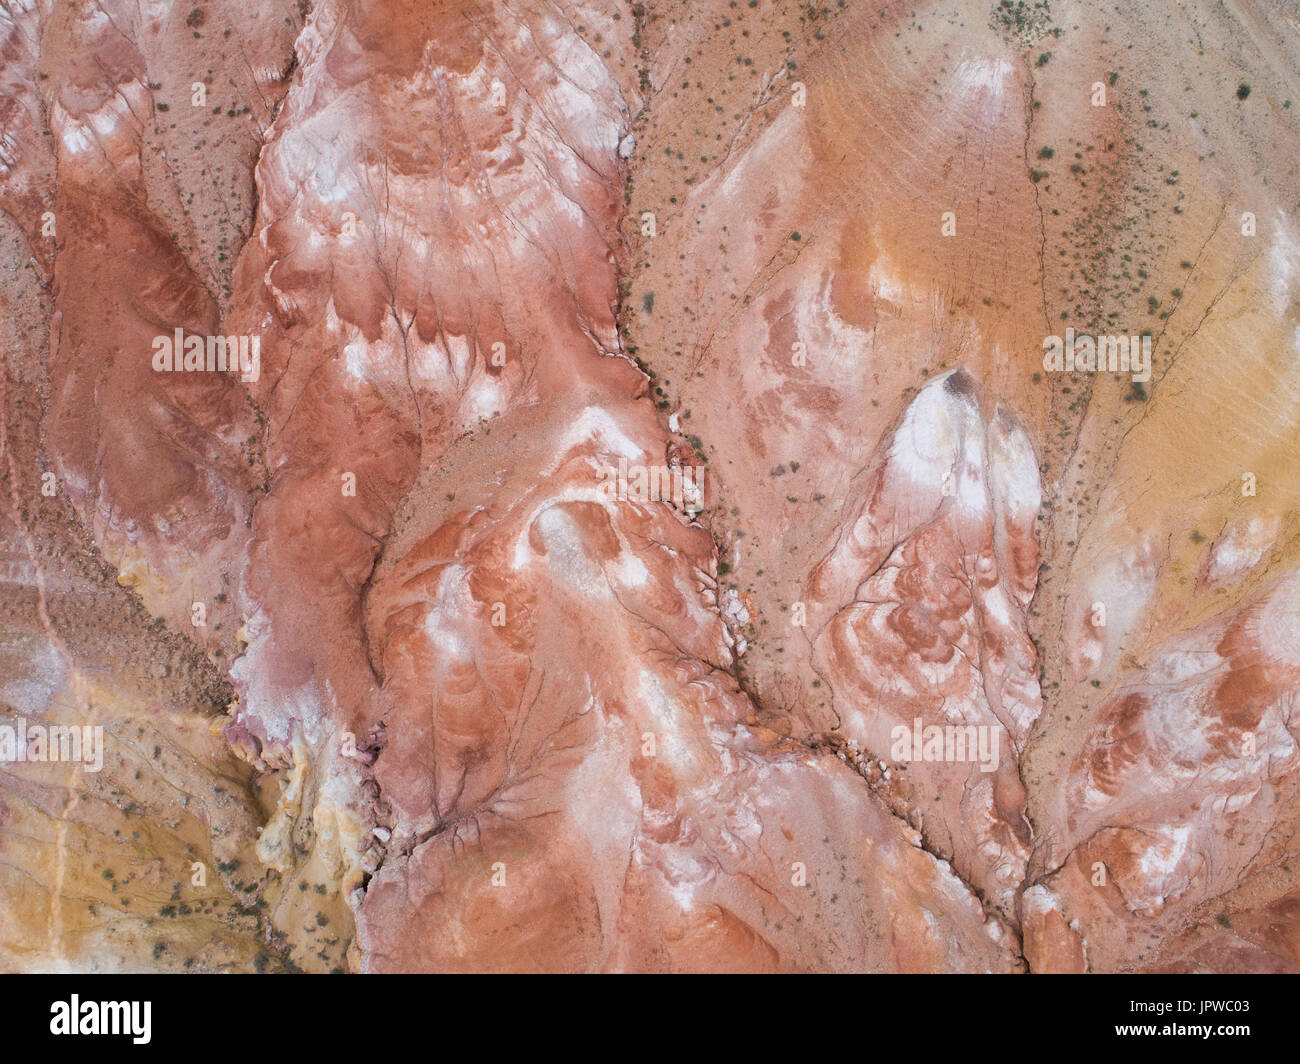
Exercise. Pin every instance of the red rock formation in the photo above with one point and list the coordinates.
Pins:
(614, 561)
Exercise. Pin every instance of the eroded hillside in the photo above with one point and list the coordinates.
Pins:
(644, 531)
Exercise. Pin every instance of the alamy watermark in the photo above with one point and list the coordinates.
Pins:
(211, 354)
(79, 1017)
(948, 742)
(681, 486)
(54, 742)
(1099, 354)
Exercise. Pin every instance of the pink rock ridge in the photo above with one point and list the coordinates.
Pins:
(919, 629)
